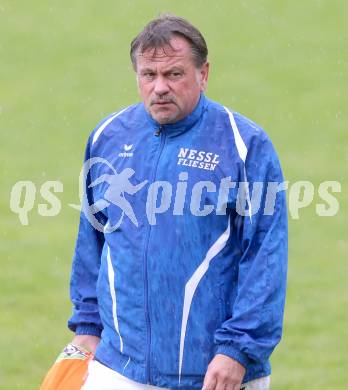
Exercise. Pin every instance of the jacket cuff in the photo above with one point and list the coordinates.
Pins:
(233, 353)
(88, 329)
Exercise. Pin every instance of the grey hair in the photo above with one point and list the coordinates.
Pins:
(158, 33)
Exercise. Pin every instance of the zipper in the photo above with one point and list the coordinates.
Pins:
(158, 133)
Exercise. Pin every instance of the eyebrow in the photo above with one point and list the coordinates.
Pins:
(147, 70)
(172, 69)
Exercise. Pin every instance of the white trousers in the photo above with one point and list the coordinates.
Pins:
(101, 377)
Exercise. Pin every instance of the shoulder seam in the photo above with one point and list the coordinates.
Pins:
(106, 123)
(242, 151)
(240, 144)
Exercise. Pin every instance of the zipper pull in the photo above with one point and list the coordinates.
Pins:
(158, 131)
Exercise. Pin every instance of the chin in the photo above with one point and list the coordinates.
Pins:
(165, 119)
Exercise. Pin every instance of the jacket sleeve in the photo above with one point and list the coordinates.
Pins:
(255, 326)
(85, 319)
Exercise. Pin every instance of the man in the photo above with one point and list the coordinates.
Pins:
(180, 283)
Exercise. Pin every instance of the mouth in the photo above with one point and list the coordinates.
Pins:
(162, 102)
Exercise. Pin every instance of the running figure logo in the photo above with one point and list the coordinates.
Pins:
(119, 185)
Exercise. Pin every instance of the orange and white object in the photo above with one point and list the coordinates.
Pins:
(69, 371)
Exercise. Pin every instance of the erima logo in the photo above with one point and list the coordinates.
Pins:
(198, 159)
(127, 151)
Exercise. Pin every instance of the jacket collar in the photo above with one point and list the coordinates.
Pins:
(184, 124)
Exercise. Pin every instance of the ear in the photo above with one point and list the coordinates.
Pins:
(204, 72)
(137, 78)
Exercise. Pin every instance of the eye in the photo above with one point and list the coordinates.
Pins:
(149, 75)
(175, 75)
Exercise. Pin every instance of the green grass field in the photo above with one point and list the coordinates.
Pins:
(64, 65)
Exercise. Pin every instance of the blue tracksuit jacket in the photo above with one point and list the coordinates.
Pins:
(182, 250)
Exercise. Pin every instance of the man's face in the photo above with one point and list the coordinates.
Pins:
(169, 83)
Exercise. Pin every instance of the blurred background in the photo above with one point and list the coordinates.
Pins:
(65, 65)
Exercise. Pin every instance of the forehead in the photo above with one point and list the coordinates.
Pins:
(177, 53)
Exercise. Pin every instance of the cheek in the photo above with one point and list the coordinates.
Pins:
(144, 89)
(189, 89)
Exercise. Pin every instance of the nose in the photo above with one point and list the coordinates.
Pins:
(161, 86)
